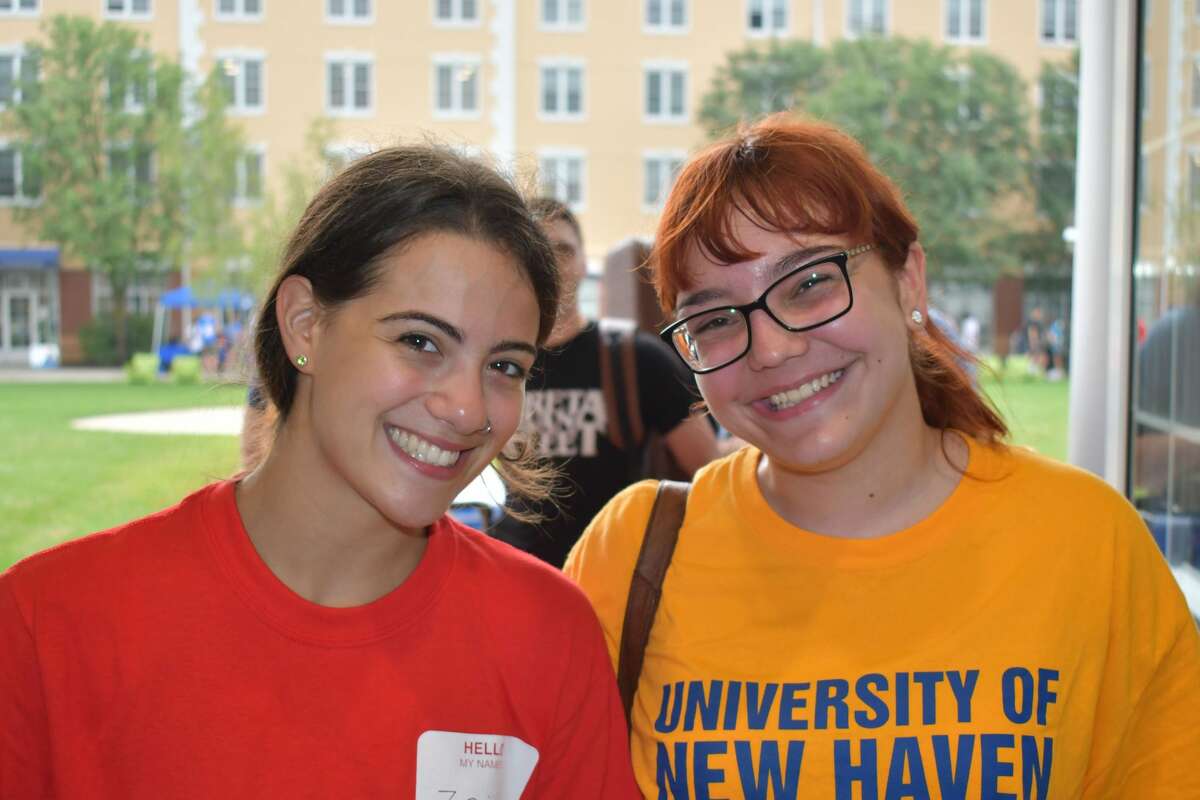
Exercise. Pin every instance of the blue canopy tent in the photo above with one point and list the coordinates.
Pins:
(226, 300)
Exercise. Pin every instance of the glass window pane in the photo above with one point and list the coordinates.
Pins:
(31, 179)
(678, 13)
(141, 6)
(444, 9)
(574, 181)
(470, 93)
(469, 10)
(549, 90)
(575, 11)
(953, 18)
(29, 5)
(1049, 20)
(1070, 7)
(878, 20)
(779, 15)
(227, 6)
(252, 77)
(574, 90)
(337, 85)
(337, 8)
(445, 79)
(654, 93)
(678, 94)
(976, 19)
(116, 6)
(252, 7)
(8, 173)
(650, 181)
(550, 12)
(7, 78)
(362, 8)
(654, 13)
(362, 86)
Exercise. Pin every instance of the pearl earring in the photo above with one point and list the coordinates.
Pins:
(917, 317)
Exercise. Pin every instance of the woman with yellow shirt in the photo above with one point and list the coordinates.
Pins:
(877, 598)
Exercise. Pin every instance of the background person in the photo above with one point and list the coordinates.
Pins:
(566, 410)
(320, 628)
(877, 596)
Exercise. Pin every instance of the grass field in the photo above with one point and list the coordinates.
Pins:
(57, 483)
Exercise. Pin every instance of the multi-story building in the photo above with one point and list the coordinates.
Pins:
(598, 99)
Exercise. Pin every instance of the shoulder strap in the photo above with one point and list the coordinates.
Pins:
(645, 588)
(618, 382)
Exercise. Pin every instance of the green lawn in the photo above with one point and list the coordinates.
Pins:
(57, 483)
(1035, 409)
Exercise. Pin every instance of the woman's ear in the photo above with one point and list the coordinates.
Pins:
(297, 313)
(910, 282)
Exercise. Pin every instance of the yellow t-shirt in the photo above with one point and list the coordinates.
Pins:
(1026, 640)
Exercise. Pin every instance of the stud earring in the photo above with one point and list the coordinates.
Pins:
(917, 317)
(302, 360)
(488, 429)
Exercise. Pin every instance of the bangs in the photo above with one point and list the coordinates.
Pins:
(802, 179)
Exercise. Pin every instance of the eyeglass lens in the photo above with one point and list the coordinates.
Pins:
(804, 299)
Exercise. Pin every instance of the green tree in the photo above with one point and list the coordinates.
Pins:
(269, 226)
(950, 128)
(124, 176)
(1052, 171)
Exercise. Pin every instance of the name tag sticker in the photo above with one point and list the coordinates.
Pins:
(472, 766)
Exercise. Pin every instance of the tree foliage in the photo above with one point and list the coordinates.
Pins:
(950, 128)
(129, 184)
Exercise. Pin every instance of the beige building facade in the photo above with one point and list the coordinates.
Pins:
(596, 101)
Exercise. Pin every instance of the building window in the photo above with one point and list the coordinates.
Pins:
(561, 90)
(348, 12)
(964, 20)
(16, 69)
(1059, 21)
(456, 13)
(136, 164)
(666, 93)
(248, 180)
(141, 296)
(239, 10)
(456, 86)
(18, 8)
(658, 175)
(562, 15)
(866, 18)
(127, 9)
(19, 185)
(562, 176)
(766, 17)
(245, 81)
(130, 85)
(348, 84)
(666, 16)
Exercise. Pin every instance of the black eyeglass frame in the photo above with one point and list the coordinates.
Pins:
(841, 259)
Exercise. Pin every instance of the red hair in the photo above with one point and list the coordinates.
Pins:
(788, 174)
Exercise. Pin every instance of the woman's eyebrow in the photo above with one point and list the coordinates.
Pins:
(515, 344)
(420, 316)
(782, 265)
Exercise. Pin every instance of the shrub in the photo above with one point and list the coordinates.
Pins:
(98, 338)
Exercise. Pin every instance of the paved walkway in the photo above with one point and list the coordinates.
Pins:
(214, 421)
(62, 375)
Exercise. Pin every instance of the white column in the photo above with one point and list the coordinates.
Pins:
(504, 83)
(1100, 297)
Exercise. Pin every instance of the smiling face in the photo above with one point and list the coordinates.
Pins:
(812, 401)
(403, 382)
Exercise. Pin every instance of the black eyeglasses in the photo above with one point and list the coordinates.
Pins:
(811, 295)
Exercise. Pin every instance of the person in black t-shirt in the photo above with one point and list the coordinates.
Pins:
(564, 404)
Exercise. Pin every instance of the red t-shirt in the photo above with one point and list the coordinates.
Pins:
(164, 659)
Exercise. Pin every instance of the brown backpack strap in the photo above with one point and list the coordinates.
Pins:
(633, 408)
(645, 587)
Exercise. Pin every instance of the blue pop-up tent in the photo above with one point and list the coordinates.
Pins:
(183, 297)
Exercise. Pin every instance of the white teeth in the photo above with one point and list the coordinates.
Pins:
(782, 400)
(422, 450)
